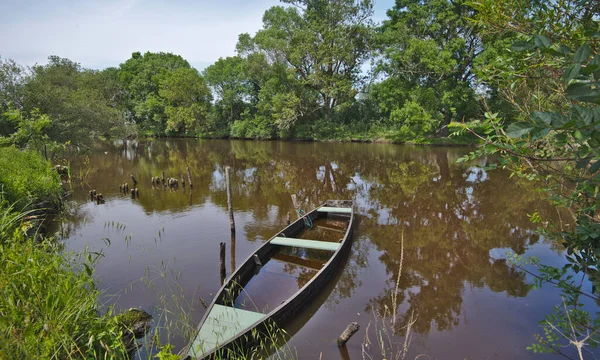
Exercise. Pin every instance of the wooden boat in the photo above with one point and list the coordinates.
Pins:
(226, 326)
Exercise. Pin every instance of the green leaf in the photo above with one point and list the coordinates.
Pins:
(572, 72)
(518, 129)
(541, 41)
(542, 118)
(594, 168)
(584, 91)
(585, 114)
(563, 49)
(582, 54)
(521, 45)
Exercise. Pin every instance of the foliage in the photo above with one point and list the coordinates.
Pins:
(28, 179)
(187, 99)
(428, 50)
(315, 50)
(78, 106)
(156, 87)
(556, 141)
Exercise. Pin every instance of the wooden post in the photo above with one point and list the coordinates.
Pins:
(229, 200)
(189, 177)
(222, 262)
(351, 329)
(344, 352)
(232, 246)
(163, 178)
(289, 219)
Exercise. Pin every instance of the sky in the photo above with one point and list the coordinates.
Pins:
(104, 33)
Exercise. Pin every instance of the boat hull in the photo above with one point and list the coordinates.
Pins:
(290, 308)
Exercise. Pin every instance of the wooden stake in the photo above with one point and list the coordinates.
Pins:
(229, 200)
(232, 247)
(189, 176)
(288, 218)
(163, 178)
(222, 261)
(351, 329)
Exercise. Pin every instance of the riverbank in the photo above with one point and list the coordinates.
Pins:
(49, 308)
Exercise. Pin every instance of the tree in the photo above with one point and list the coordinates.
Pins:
(187, 98)
(141, 76)
(234, 91)
(12, 78)
(428, 51)
(77, 107)
(324, 44)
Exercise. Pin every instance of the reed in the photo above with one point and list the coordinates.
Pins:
(383, 327)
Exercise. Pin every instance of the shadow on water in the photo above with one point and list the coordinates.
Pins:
(457, 221)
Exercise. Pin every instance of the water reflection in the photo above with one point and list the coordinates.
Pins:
(450, 217)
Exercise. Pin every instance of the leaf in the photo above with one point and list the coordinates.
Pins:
(518, 129)
(572, 72)
(563, 49)
(583, 91)
(593, 169)
(585, 114)
(582, 54)
(541, 41)
(521, 45)
(542, 118)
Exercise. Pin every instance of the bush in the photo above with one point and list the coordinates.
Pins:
(27, 179)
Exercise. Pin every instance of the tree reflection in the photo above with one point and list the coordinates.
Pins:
(451, 215)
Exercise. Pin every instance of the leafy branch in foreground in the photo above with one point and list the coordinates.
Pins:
(560, 148)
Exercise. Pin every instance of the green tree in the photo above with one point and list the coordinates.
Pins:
(12, 78)
(428, 51)
(187, 99)
(323, 44)
(234, 91)
(72, 99)
(141, 77)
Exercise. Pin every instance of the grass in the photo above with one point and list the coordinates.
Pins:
(49, 303)
(27, 179)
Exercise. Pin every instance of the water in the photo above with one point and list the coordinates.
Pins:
(455, 222)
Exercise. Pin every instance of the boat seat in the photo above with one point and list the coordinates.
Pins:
(308, 244)
(329, 209)
(222, 324)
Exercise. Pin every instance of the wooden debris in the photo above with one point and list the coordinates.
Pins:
(351, 329)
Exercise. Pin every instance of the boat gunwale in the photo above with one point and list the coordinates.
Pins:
(321, 272)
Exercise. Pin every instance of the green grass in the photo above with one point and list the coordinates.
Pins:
(26, 179)
(49, 303)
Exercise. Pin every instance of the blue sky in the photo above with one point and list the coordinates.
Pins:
(103, 33)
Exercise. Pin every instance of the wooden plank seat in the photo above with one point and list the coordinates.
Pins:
(307, 244)
(330, 209)
(222, 324)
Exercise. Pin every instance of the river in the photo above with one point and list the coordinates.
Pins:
(451, 224)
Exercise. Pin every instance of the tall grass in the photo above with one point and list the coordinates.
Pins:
(26, 178)
(48, 300)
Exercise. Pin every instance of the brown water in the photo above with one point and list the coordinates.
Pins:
(455, 222)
